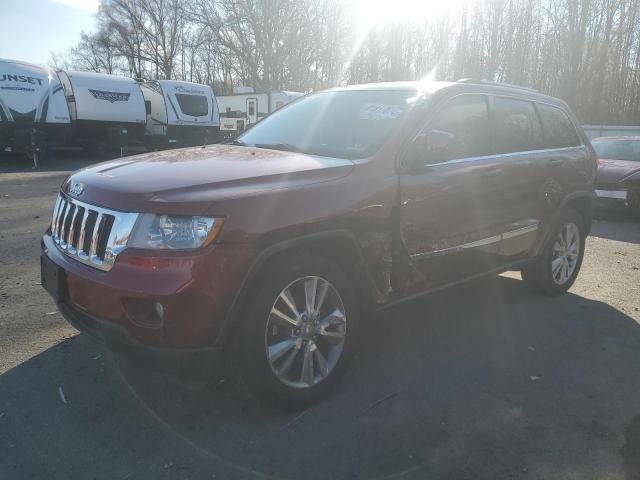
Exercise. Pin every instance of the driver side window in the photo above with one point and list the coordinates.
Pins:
(458, 130)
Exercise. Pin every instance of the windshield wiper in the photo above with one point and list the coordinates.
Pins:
(287, 147)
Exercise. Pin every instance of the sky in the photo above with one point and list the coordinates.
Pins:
(32, 29)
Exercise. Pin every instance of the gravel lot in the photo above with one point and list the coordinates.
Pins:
(500, 385)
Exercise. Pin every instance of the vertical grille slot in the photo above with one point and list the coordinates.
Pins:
(59, 220)
(66, 224)
(103, 236)
(88, 231)
(54, 219)
(92, 235)
(74, 233)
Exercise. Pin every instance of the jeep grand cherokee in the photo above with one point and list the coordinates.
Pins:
(278, 247)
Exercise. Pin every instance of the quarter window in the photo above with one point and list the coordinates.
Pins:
(559, 131)
(515, 125)
(459, 130)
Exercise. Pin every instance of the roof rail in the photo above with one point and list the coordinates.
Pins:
(497, 84)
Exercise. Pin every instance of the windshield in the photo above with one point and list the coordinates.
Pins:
(618, 149)
(345, 124)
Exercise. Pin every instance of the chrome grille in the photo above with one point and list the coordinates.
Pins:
(92, 235)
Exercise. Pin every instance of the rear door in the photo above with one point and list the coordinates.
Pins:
(568, 165)
(518, 140)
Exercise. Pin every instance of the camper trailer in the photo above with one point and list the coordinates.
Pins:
(33, 111)
(180, 114)
(107, 111)
(245, 107)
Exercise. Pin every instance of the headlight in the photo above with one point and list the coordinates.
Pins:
(174, 232)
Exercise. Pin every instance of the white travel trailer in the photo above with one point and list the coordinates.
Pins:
(250, 107)
(106, 110)
(33, 111)
(180, 114)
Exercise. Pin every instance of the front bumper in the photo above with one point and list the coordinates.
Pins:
(164, 303)
(118, 339)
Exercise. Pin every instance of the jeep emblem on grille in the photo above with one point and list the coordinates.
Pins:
(76, 189)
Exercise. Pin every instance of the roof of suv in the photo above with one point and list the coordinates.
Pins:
(471, 86)
(617, 138)
(415, 85)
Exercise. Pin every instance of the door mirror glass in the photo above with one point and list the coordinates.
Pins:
(440, 146)
(432, 146)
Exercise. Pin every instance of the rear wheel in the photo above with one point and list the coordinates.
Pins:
(298, 335)
(555, 271)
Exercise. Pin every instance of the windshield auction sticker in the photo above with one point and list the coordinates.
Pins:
(379, 111)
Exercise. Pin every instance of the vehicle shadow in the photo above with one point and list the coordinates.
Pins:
(485, 381)
(621, 229)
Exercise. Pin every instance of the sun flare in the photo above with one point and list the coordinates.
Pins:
(371, 13)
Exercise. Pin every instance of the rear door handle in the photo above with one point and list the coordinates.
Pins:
(556, 161)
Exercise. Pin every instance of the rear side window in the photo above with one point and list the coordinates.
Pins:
(559, 131)
(465, 121)
(516, 127)
(193, 105)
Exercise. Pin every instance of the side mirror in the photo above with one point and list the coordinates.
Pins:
(440, 146)
(417, 151)
(432, 146)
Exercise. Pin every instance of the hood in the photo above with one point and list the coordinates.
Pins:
(611, 172)
(163, 182)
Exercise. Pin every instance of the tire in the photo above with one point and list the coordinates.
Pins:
(541, 276)
(633, 201)
(280, 378)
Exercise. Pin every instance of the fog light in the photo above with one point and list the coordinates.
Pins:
(143, 312)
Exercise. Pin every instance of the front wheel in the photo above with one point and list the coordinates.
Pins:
(298, 335)
(555, 271)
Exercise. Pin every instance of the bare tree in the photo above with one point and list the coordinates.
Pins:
(586, 51)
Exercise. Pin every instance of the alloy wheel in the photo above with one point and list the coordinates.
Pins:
(305, 332)
(566, 251)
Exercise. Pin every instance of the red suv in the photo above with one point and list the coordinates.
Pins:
(276, 248)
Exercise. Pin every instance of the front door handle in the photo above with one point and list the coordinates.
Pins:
(554, 162)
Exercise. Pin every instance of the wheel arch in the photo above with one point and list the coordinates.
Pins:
(581, 202)
(339, 246)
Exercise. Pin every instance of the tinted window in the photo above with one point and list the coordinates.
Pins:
(461, 128)
(194, 105)
(343, 124)
(618, 149)
(559, 132)
(516, 127)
